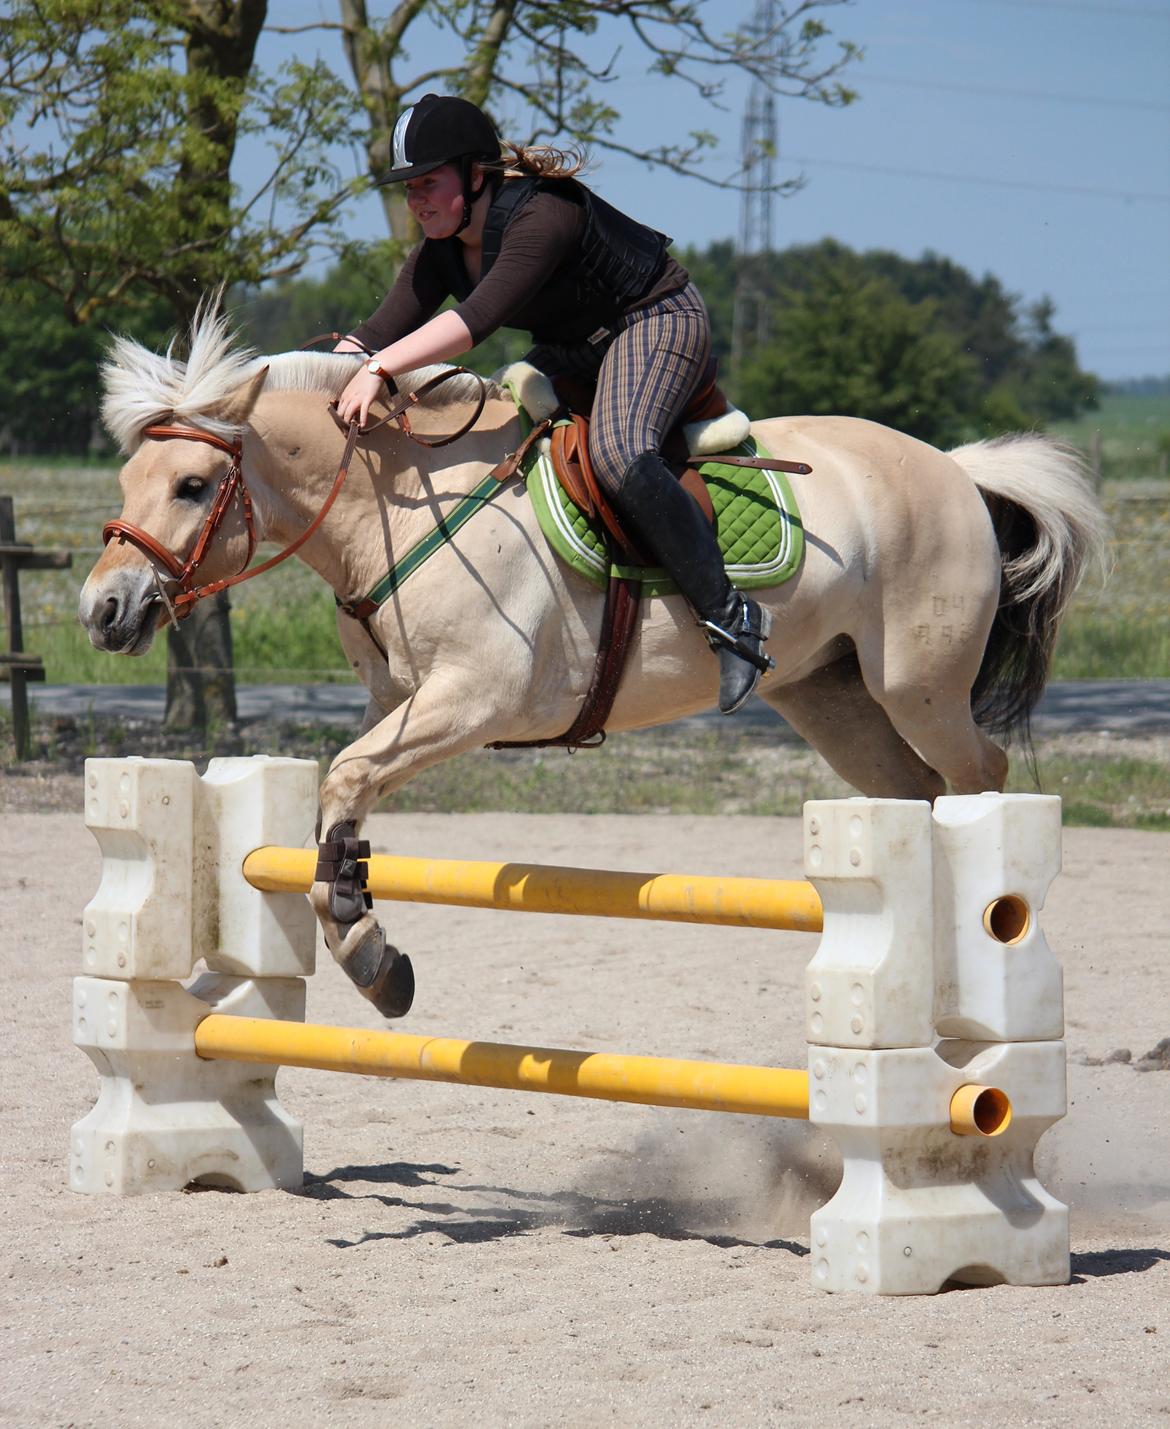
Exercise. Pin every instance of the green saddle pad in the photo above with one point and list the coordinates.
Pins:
(756, 519)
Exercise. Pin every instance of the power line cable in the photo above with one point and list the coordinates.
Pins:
(1029, 184)
(997, 92)
(1137, 12)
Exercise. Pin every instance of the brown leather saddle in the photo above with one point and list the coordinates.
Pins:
(570, 457)
(574, 470)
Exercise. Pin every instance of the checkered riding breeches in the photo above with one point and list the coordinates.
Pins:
(651, 369)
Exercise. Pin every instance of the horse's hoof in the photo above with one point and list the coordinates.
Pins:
(392, 991)
(381, 973)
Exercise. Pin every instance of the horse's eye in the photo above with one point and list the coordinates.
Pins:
(190, 488)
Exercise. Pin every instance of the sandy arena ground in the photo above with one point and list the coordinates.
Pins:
(475, 1256)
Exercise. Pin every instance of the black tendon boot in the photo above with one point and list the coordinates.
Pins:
(670, 528)
(379, 971)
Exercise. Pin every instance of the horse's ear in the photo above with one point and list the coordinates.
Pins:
(237, 407)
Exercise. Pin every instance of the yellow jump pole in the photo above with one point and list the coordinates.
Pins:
(651, 1081)
(544, 888)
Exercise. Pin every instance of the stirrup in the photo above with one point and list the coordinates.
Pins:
(717, 636)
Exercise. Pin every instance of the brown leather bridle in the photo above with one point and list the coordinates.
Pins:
(183, 573)
(184, 592)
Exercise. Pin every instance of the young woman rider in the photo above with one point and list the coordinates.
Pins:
(520, 242)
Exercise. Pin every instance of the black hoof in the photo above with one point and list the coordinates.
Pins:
(382, 974)
(392, 992)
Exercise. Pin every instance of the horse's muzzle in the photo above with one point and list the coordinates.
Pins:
(121, 614)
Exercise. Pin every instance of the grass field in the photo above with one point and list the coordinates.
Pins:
(1133, 434)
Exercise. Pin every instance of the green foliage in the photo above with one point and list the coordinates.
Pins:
(851, 344)
(49, 391)
(917, 343)
(122, 122)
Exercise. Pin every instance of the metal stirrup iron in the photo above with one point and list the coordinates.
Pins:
(716, 633)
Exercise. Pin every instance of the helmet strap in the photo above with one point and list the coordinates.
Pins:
(469, 196)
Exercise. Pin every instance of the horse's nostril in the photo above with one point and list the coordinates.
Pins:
(109, 615)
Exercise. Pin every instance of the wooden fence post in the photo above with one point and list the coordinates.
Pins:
(19, 665)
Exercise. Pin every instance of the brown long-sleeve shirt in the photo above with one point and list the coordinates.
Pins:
(538, 249)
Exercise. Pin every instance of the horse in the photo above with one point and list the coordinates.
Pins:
(920, 622)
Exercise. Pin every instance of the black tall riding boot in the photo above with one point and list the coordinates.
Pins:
(670, 528)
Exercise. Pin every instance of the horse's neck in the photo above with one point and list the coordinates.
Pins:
(393, 495)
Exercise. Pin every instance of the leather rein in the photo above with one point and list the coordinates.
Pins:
(184, 590)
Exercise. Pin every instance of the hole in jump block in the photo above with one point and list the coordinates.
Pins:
(1007, 919)
(980, 1111)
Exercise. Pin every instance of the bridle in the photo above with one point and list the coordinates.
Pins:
(184, 592)
(181, 591)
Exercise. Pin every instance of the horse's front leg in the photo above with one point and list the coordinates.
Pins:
(444, 718)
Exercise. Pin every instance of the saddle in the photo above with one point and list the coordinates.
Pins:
(709, 426)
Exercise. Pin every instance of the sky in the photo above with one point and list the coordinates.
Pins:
(1028, 139)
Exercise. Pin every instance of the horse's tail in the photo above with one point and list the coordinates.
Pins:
(1051, 530)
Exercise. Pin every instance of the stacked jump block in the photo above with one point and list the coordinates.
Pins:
(933, 974)
(174, 932)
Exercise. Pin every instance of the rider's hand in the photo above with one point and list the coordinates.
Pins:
(362, 390)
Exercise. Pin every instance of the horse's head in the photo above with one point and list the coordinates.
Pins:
(182, 425)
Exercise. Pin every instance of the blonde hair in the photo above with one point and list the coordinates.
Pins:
(538, 161)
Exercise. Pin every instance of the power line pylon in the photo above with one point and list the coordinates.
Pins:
(759, 147)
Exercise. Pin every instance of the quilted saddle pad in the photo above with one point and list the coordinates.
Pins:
(756, 520)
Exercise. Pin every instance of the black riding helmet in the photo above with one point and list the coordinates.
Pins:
(441, 129)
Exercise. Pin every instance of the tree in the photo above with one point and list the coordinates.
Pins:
(49, 395)
(535, 57)
(121, 120)
(120, 123)
(1053, 384)
(1018, 372)
(852, 345)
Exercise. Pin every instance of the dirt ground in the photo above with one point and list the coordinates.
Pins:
(467, 1255)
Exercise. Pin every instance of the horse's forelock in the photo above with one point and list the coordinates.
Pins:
(142, 387)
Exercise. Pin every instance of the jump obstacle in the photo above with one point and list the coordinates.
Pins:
(934, 1007)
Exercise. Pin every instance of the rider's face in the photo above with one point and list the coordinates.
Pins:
(436, 200)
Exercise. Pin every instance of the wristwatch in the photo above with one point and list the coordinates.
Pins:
(374, 369)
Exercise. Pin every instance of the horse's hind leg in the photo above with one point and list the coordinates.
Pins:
(836, 714)
(928, 702)
(939, 725)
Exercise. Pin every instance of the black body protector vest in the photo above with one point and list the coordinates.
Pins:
(617, 261)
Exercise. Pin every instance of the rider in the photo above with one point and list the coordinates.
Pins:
(520, 242)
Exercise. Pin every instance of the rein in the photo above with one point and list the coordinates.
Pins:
(185, 591)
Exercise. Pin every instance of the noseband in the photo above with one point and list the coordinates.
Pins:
(183, 593)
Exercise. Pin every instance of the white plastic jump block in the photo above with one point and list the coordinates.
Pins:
(871, 981)
(245, 804)
(138, 923)
(919, 1205)
(996, 977)
(165, 1117)
(173, 846)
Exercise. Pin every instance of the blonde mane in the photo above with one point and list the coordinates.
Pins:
(141, 387)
